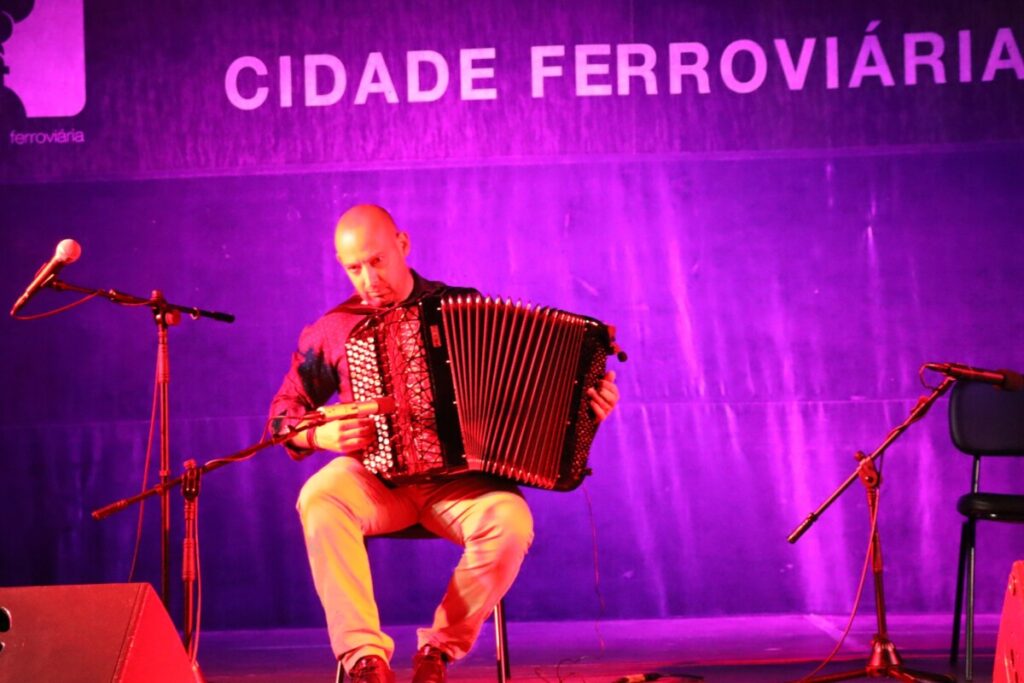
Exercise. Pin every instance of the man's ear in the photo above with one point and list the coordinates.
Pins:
(403, 243)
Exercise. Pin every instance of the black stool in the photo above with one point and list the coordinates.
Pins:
(418, 531)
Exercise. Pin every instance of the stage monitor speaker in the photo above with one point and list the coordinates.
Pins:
(1009, 667)
(89, 634)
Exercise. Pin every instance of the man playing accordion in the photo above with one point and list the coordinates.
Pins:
(343, 502)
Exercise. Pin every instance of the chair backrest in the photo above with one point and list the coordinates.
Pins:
(984, 420)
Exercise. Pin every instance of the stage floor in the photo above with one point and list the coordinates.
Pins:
(752, 649)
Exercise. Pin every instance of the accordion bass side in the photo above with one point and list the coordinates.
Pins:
(480, 384)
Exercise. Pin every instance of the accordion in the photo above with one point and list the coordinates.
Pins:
(481, 385)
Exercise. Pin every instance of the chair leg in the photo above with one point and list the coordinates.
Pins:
(969, 640)
(501, 642)
(958, 603)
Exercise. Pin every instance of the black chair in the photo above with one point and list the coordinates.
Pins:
(417, 531)
(983, 421)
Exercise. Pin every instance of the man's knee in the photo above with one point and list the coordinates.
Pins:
(512, 525)
(323, 491)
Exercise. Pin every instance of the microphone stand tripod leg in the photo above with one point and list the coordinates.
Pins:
(885, 660)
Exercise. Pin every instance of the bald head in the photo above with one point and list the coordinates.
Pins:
(372, 250)
(364, 216)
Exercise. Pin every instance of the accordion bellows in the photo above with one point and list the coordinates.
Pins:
(480, 384)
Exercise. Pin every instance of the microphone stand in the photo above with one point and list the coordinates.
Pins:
(165, 314)
(189, 483)
(885, 660)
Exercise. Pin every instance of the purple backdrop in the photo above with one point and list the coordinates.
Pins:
(778, 264)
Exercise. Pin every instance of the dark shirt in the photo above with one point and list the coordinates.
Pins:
(319, 369)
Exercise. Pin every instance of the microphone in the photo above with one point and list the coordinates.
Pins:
(67, 252)
(1008, 380)
(383, 405)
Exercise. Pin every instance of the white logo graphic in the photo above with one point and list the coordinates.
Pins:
(42, 58)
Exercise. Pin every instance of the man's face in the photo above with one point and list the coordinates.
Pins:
(374, 260)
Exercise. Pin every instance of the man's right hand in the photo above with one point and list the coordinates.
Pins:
(342, 436)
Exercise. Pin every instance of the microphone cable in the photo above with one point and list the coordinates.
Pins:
(560, 676)
(47, 314)
(597, 572)
(145, 476)
(860, 590)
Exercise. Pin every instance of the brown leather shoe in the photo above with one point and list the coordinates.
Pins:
(429, 665)
(371, 669)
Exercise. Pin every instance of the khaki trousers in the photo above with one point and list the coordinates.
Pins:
(343, 503)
